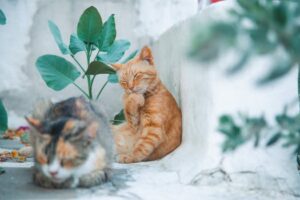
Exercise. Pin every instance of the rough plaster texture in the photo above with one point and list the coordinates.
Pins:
(195, 170)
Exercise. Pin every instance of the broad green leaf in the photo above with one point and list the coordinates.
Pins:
(3, 117)
(119, 118)
(240, 64)
(2, 18)
(280, 14)
(56, 71)
(226, 119)
(274, 139)
(90, 25)
(132, 55)
(113, 78)
(97, 67)
(115, 52)
(108, 34)
(58, 39)
(76, 45)
(277, 71)
(228, 127)
(260, 40)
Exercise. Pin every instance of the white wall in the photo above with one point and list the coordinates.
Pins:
(206, 93)
(26, 36)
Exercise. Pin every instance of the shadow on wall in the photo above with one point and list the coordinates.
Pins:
(190, 84)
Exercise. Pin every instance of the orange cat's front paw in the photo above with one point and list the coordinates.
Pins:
(125, 158)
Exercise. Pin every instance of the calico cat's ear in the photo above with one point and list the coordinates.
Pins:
(36, 123)
(117, 66)
(146, 55)
(92, 129)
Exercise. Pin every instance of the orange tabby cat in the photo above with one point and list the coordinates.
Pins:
(153, 118)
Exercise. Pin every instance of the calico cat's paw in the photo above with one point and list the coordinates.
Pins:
(43, 181)
(40, 180)
(92, 179)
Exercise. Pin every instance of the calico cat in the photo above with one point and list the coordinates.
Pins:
(72, 144)
(153, 119)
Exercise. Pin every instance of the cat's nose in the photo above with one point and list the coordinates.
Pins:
(53, 173)
(130, 87)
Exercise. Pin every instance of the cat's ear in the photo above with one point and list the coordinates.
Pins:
(36, 123)
(117, 66)
(146, 55)
(92, 129)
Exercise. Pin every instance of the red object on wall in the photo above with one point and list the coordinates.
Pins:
(215, 1)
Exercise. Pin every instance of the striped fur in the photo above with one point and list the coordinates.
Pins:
(153, 119)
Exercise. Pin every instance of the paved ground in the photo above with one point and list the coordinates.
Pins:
(16, 184)
(154, 181)
(153, 184)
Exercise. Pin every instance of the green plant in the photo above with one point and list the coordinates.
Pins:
(241, 129)
(119, 118)
(3, 117)
(98, 41)
(3, 113)
(2, 18)
(256, 28)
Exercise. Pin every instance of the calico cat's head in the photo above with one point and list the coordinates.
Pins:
(62, 146)
(139, 74)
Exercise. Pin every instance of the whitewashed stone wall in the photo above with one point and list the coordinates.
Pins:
(26, 36)
(206, 93)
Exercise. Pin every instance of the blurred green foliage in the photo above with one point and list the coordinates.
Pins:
(2, 18)
(256, 28)
(241, 129)
(3, 118)
(3, 113)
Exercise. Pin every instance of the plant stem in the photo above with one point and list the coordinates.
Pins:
(78, 65)
(81, 90)
(97, 54)
(90, 87)
(299, 83)
(101, 90)
(93, 79)
(89, 82)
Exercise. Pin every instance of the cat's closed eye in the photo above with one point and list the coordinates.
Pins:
(123, 83)
(67, 163)
(138, 76)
